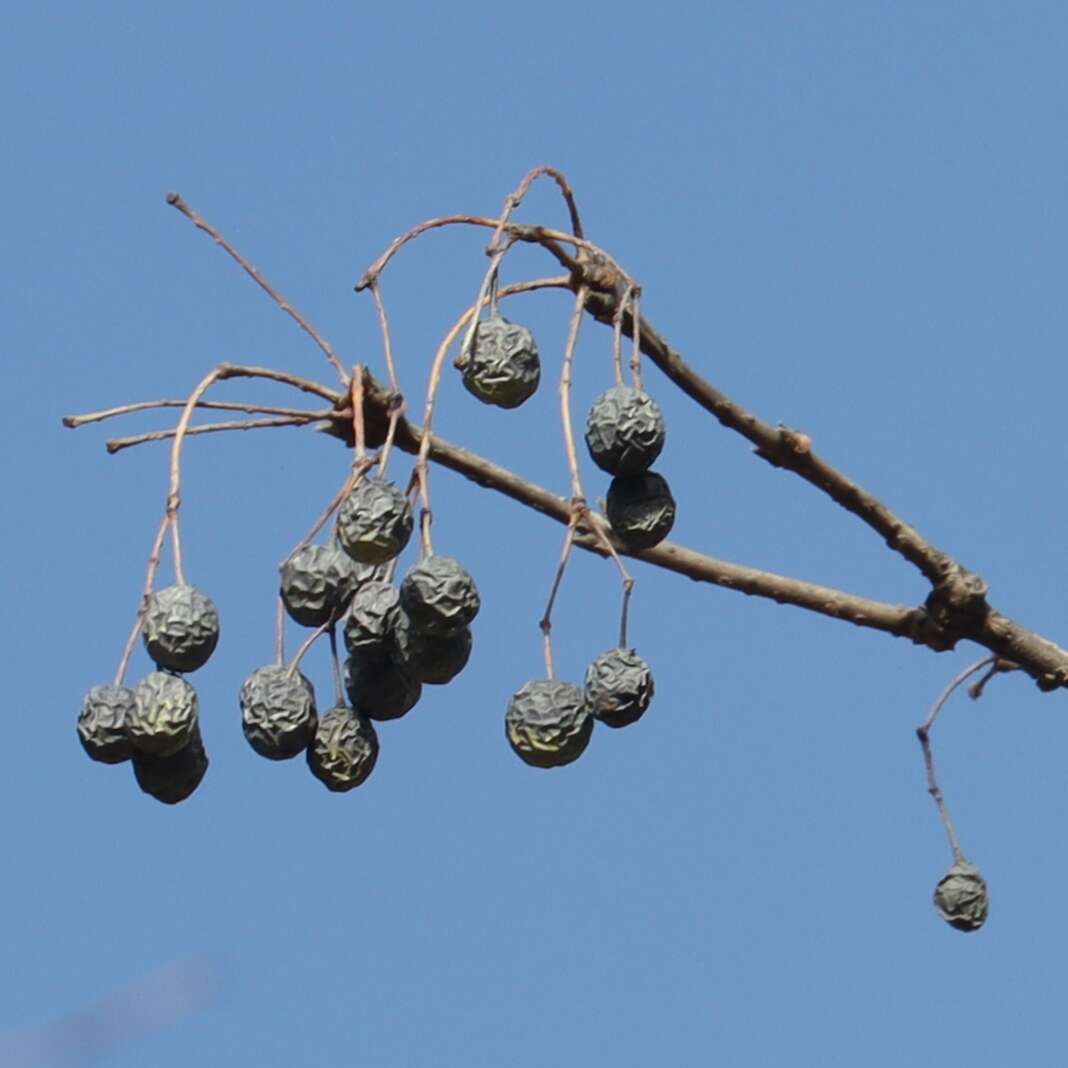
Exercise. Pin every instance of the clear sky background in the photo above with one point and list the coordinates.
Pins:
(849, 216)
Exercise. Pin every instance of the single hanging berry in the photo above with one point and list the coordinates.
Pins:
(380, 687)
(369, 622)
(960, 897)
(619, 687)
(164, 717)
(431, 658)
(180, 628)
(344, 750)
(624, 431)
(102, 723)
(439, 595)
(171, 779)
(501, 366)
(317, 583)
(548, 723)
(277, 712)
(374, 522)
(640, 509)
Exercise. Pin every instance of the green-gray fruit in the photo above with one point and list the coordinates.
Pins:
(624, 431)
(961, 898)
(439, 595)
(619, 687)
(277, 712)
(344, 750)
(374, 522)
(501, 366)
(164, 716)
(548, 723)
(180, 628)
(640, 509)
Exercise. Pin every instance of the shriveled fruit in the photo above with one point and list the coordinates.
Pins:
(344, 750)
(164, 717)
(369, 622)
(624, 431)
(180, 628)
(317, 582)
(619, 687)
(501, 366)
(431, 658)
(439, 595)
(277, 712)
(374, 522)
(171, 779)
(641, 509)
(380, 686)
(102, 723)
(961, 898)
(548, 723)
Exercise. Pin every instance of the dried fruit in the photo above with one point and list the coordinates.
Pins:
(164, 716)
(102, 723)
(624, 431)
(317, 584)
(380, 687)
(439, 595)
(344, 750)
(619, 687)
(369, 622)
(173, 778)
(501, 366)
(640, 509)
(180, 628)
(960, 897)
(277, 712)
(548, 723)
(374, 522)
(431, 658)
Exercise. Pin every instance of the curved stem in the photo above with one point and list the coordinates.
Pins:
(387, 344)
(75, 421)
(150, 578)
(545, 623)
(114, 445)
(513, 200)
(923, 732)
(294, 664)
(565, 393)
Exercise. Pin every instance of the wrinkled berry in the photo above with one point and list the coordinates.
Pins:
(624, 431)
(548, 723)
(344, 750)
(619, 687)
(640, 509)
(277, 712)
(180, 628)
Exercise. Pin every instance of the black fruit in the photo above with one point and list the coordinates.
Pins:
(640, 509)
(344, 750)
(501, 366)
(173, 778)
(180, 628)
(960, 897)
(102, 723)
(431, 658)
(380, 687)
(164, 716)
(624, 431)
(369, 622)
(548, 723)
(374, 522)
(317, 584)
(619, 687)
(439, 595)
(277, 712)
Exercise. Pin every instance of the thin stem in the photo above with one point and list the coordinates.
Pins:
(487, 293)
(617, 334)
(545, 623)
(513, 200)
(387, 344)
(565, 393)
(146, 590)
(352, 480)
(176, 201)
(74, 421)
(114, 445)
(339, 689)
(356, 393)
(539, 235)
(636, 350)
(923, 732)
(396, 410)
(308, 642)
(280, 632)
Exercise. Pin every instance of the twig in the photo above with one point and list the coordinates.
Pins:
(356, 395)
(339, 689)
(545, 623)
(514, 199)
(114, 445)
(176, 201)
(565, 395)
(617, 334)
(150, 578)
(74, 421)
(923, 732)
(387, 344)
(280, 632)
(294, 664)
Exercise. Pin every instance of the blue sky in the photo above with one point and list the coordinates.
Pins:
(850, 217)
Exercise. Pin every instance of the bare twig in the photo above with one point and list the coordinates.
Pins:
(545, 623)
(565, 396)
(74, 421)
(118, 444)
(176, 201)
